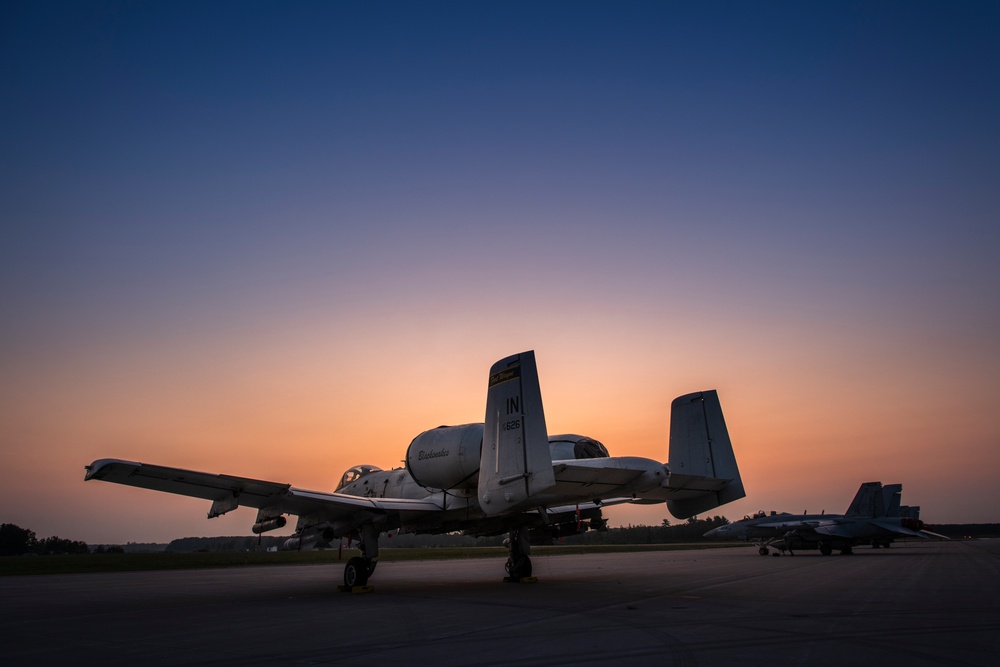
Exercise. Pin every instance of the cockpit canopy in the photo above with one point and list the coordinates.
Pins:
(569, 446)
(354, 474)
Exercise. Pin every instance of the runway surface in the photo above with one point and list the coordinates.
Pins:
(918, 604)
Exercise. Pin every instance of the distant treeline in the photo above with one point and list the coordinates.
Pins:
(689, 531)
(225, 544)
(264, 543)
(130, 548)
(17, 541)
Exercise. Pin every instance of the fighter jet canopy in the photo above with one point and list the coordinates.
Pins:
(356, 473)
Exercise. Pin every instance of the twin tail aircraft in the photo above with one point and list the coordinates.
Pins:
(874, 517)
(506, 475)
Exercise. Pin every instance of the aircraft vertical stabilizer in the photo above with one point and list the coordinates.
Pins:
(700, 446)
(868, 502)
(515, 462)
(891, 496)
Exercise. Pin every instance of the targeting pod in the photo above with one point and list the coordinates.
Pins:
(269, 524)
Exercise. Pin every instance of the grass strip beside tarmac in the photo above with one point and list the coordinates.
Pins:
(83, 563)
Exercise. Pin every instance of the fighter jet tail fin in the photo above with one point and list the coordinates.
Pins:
(891, 496)
(700, 446)
(868, 503)
(515, 462)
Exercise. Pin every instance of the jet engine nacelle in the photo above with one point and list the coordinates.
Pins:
(446, 457)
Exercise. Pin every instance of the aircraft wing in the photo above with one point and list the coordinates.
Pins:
(835, 530)
(228, 492)
(783, 526)
(932, 535)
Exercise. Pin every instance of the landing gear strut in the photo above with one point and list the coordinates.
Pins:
(518, 563)
(359, 568)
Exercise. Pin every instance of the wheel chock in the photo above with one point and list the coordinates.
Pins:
(356, 589)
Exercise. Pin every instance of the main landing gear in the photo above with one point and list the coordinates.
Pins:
(518, 563)
(826, 549)
(359, 568)
(357, 571)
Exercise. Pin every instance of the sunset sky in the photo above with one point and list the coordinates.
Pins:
(280, 239)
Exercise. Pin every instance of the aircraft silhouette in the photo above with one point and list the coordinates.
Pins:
(506, 475)
(874, 517)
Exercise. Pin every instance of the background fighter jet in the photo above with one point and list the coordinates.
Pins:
(875, 517)
(506, 475)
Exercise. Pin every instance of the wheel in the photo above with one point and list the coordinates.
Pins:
(519, 567)
(762, 551)
(356, 573)
(825, 549)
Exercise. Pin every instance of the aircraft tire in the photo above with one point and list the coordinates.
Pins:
(356, 572)
(519, 567)
(825, 549)
(762, 551)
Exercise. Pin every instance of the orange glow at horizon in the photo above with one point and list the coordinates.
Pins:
(303, 414)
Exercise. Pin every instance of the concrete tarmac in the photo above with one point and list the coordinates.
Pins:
(920, 604)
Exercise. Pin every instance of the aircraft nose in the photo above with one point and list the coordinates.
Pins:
(717, 532)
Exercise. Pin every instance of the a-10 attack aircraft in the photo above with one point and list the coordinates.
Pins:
(505, 476)
(875, 517)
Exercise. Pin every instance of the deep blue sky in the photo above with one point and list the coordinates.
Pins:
(768, 197)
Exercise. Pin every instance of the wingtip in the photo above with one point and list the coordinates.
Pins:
(94, 470)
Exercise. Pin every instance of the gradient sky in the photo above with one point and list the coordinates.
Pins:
(279, 239)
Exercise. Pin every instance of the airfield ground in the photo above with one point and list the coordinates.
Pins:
(134, 562)
(921, 604)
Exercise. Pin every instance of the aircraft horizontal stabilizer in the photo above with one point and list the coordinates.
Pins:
(894, 526)
(933, 535)
(582, 473)
(696, 483)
